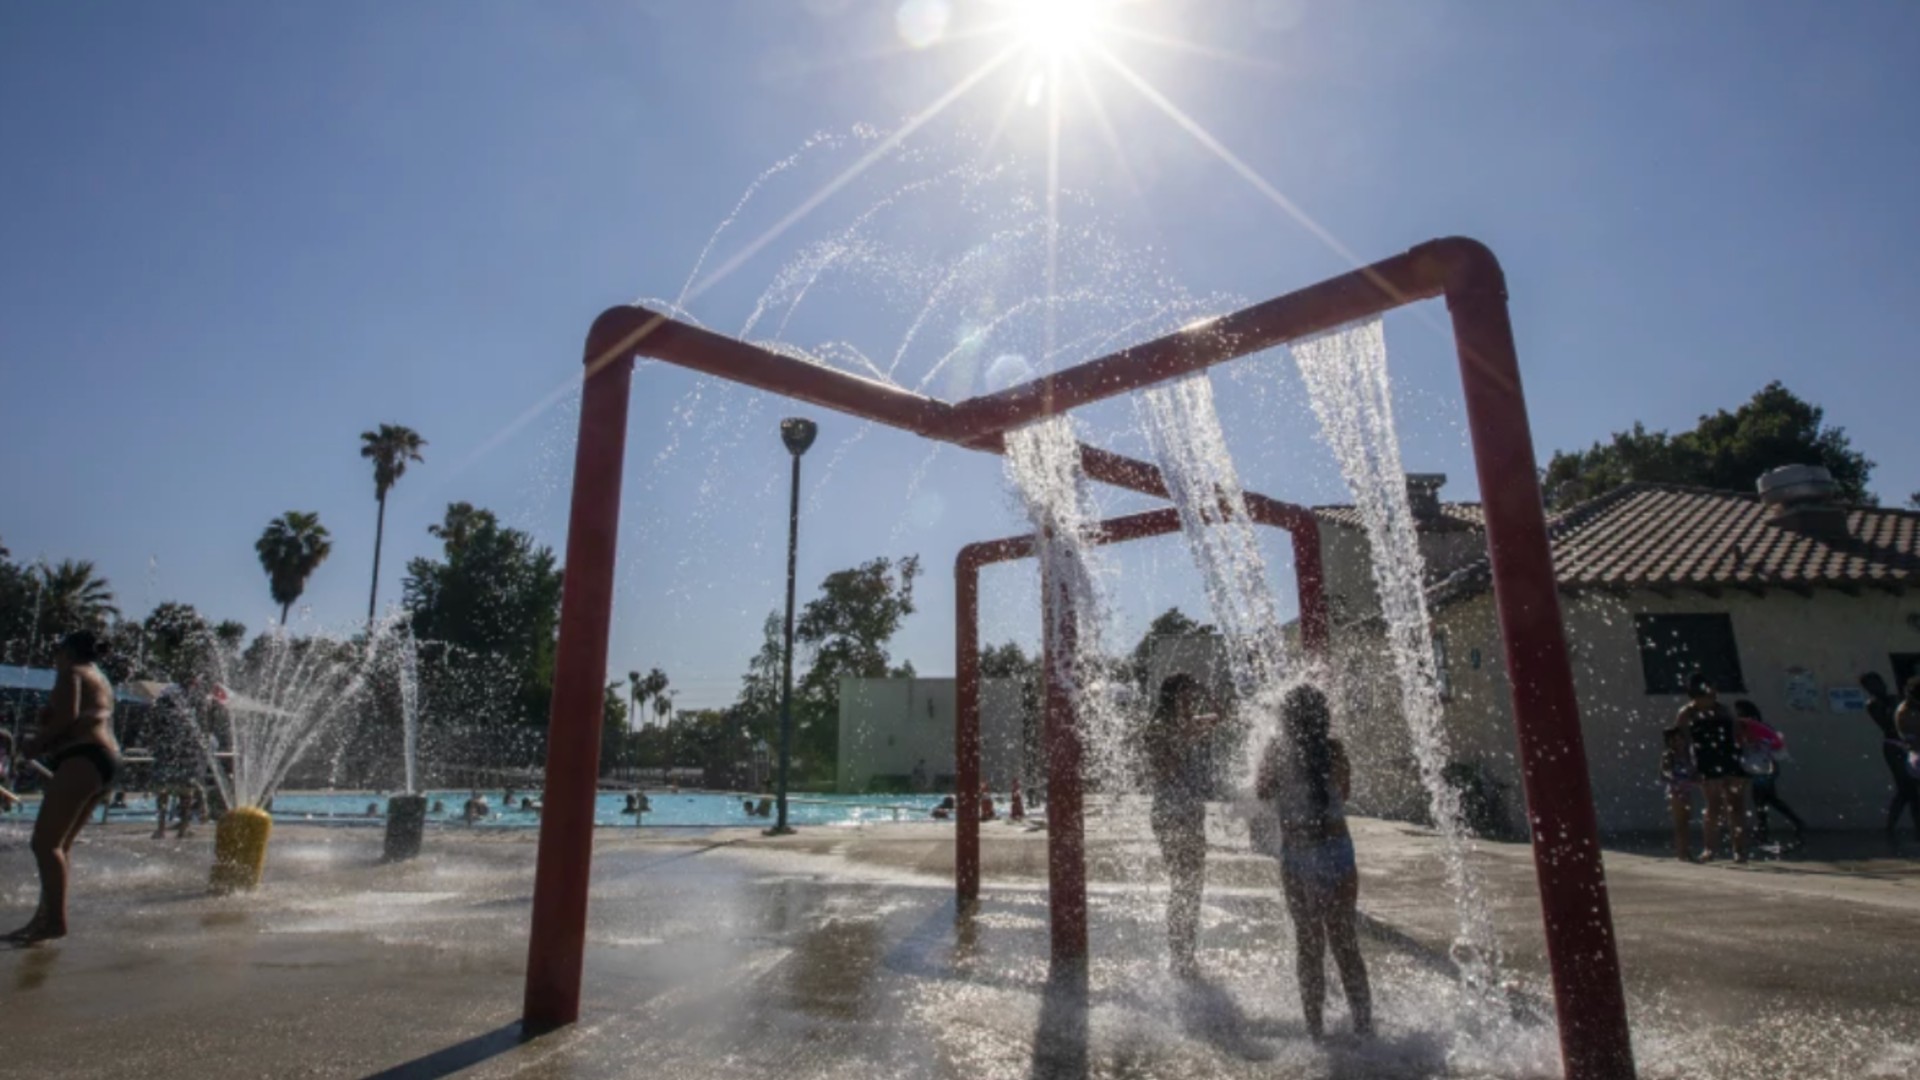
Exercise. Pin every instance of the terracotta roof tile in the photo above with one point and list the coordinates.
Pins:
(1662, 535)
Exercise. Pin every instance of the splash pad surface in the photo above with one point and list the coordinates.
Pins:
(836, 953)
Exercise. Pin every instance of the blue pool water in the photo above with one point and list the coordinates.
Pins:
(703, 809)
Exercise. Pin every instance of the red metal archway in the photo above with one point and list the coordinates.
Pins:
(1066, 852)
(1589, 1002)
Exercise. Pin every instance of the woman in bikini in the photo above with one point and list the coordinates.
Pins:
(1305, 777)
(76, 738)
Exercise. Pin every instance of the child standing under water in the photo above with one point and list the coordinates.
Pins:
(1305, 777)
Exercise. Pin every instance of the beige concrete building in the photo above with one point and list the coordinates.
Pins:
(887, 726)
(1782, 600)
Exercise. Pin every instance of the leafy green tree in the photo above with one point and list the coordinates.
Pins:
(1007, 661)
(486, 615)
(759, 702)
(613, 728)
(639, 688)
(1171, 623)
(179, 643)
(461, 522)
(1726, 450)
(390, 448)
(709, 740)
(71, 596)
(1913, 501)
(18, 590)
(231, 634)
(291, 548)
(847, 628)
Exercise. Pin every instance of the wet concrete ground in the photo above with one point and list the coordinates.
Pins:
(838, 953)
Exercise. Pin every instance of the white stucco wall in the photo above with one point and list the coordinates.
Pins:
(886, 725)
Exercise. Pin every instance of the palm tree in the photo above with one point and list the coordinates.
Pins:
(462, 522)
(390, 449)
(72, 598)
(291, 548)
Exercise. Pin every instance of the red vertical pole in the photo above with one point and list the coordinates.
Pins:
(1315, 635)
(556, 946)
(1595, 1042)
(1066, 828)
(966, 728)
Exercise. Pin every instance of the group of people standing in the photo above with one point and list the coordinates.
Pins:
(1723, 754)
(1720, 755)
(1302, 783)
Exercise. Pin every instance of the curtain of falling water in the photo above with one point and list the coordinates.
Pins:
(1184, 431)
(1043, 463)
(1346, 377)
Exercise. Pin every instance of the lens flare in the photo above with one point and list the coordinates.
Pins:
(1057, 27)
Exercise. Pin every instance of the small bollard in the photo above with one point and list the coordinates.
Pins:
(406, 819)
(240, 849)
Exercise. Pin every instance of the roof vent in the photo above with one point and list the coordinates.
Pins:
(1804, 498)
(1423, 494)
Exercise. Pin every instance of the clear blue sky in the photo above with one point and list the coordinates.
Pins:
(233, 235)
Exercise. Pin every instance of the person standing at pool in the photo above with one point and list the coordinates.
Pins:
(8, 800)
(76, 735)
(1716, 753)
(178, 761)
(1180, 767)
(1305, 777)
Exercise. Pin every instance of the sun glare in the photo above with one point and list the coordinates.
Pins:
(1057, 27)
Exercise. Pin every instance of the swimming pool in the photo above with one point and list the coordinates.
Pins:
(683, 809)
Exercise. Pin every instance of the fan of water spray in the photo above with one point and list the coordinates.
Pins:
(274, 703)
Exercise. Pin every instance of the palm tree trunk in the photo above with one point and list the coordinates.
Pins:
(379, 534)
(284, 608)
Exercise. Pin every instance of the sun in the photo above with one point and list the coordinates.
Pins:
(1057, 27)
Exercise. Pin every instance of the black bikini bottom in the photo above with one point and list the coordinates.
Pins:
(98, 755)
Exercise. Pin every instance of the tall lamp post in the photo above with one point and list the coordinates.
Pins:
(798, 433)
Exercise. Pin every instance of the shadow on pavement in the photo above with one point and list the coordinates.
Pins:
(461, 1055)
(1208, 1011)
(1060, 1042)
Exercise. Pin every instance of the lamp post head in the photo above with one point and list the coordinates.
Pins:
(798, 432)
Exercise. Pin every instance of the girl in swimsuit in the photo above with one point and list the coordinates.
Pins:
(76, 735)
(1305, 776)
(1682, 780)
(1180, 768)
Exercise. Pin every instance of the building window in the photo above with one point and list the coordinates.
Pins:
(1674, 646)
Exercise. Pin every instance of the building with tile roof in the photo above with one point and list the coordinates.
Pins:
(1785, 601)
